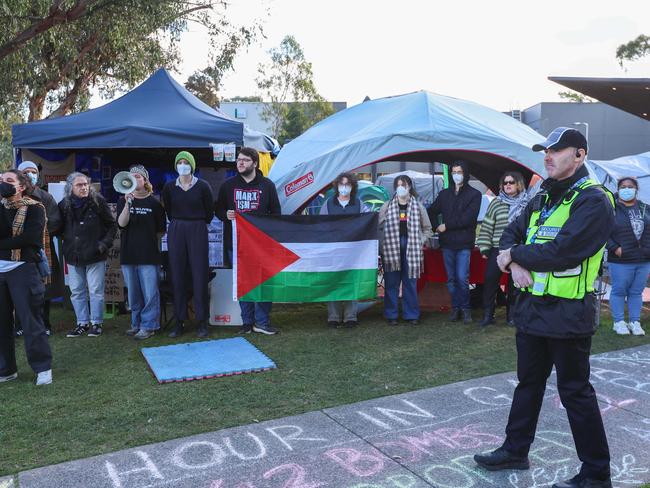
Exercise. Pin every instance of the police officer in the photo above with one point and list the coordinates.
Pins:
(554, 250)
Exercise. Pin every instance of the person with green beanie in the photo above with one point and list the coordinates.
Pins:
(190, 208)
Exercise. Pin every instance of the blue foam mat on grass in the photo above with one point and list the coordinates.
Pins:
(205, 359)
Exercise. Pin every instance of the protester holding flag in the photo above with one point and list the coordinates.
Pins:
(404, 228)
(248, 192)
(344, 202)
(189, 206)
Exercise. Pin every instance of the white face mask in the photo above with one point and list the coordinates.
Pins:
(33, 177)
(183, 169)
(402, 191)
(344, 190)
(458, 179)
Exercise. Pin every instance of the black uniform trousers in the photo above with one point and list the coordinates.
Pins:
(22, 290)
(535, 359)
(187, 242)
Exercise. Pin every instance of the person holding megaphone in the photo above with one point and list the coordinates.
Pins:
(141, 219)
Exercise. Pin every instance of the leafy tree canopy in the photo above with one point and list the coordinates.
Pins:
(633, 50)
(288, 77)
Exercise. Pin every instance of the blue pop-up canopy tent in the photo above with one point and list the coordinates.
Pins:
(159, 113)
(420, 127)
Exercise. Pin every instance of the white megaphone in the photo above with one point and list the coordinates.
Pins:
(124, 182)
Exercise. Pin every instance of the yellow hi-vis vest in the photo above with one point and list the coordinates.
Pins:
(569, 283)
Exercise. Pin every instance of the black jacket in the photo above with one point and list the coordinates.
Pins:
(88, 232)
(459, 212)
(51, 210)
(583, 234)
(259, 197)
(30, 242)
(623, 236)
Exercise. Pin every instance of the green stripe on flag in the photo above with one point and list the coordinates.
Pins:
(325, 286)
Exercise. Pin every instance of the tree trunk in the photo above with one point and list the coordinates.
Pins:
(69, 101)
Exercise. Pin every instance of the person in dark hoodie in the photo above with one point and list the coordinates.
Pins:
(88, 229)
(454, 215)
(54, 286)
(628, 255)
(248, 192)
(189, 205)
(553, 251)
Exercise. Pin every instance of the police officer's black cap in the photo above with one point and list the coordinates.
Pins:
(561, 138)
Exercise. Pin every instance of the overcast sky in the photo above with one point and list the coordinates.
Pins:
(498, 53)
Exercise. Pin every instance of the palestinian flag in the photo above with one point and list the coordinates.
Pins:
(303, 258)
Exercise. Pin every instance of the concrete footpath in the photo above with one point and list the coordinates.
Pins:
(420, 439)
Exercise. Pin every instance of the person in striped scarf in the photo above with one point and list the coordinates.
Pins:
(505, 208)
(404, 228)
(22, 226)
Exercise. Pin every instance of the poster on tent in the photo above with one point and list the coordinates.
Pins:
(52, 171)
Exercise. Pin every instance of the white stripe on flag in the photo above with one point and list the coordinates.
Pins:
(333, 256)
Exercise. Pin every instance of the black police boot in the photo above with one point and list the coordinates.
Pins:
(488, 317)
(467, 315)
(501, 459)
(178, 330)
(454, 316)
(202, 331)
(580, 481)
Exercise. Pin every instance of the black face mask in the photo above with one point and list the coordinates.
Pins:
(7, 190)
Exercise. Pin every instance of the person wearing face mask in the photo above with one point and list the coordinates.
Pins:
(247, 192)
(88, 231)
(142, 221)
(404, 228)
(22, 226)
(54, 286)
(454, 215)
(189, 205)
(628, 255)
(344, 202)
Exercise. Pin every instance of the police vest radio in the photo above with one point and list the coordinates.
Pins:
(124, 182)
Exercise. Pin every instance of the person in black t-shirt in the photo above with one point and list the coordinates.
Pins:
(190, 207)
(141, 217)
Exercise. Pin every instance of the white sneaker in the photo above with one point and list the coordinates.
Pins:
(9, 377)
(635, 328)
(620, 328)
(44, 378)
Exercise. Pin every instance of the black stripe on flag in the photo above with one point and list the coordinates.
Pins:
(317, 228)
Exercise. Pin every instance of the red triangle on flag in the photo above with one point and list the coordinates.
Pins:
(259, 256)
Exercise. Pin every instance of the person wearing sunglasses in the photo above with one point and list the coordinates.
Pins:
(505, 208)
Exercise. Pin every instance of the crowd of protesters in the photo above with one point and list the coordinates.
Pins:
(30, 273)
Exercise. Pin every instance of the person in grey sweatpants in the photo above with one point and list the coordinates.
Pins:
(344, 202)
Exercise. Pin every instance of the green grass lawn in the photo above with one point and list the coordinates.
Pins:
(104, 398)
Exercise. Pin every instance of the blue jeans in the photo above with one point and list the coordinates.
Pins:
(144, 296)
(87, 284)
(392, 280)
(628, 280)
(254, 312)
(457, 267)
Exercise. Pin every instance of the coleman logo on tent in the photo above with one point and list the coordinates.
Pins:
(299, 184)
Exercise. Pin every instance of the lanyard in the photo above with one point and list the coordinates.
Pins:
(546, 212)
